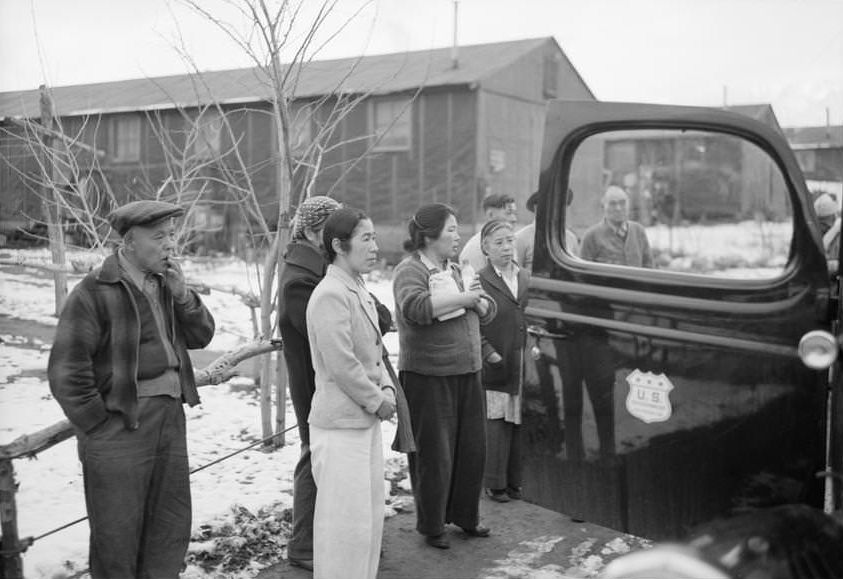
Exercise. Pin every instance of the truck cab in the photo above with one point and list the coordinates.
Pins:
(686, 369)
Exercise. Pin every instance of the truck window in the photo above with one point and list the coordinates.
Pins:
(692, 202)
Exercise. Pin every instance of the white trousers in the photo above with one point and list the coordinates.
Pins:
(348, 521)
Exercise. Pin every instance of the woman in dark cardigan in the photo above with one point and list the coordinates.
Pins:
(438, 322)
(304, 268)
(504, 339)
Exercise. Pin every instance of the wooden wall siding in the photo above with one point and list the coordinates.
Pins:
(390, 186)
(514, 128)
(461, 161)
(16, 203)
(355, 186)
(438, 142)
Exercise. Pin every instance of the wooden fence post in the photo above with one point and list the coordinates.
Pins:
(11, 558)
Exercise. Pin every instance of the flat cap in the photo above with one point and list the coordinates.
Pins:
(145, 213)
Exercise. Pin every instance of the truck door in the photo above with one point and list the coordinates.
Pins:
(677, 266)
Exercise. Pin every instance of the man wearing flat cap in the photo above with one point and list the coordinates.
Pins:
(120, 370)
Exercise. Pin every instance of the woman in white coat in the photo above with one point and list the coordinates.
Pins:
(353, 394)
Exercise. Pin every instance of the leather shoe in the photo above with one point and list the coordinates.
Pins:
(478, 531)
(439, 541)
(303, 563)
(498, 495)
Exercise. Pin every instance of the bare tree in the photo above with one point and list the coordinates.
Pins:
(82, 189)
(273, 29)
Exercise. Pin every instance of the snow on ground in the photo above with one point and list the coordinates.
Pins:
(51, 492)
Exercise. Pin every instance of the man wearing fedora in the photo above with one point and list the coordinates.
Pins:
(120, 370)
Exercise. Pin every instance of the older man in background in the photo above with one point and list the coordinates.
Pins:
(120, 370)
(616, 240)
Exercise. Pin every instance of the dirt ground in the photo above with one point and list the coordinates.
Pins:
(526, 541)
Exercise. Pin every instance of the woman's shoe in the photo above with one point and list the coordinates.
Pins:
(514, 493)
(439, 541)
(498, 495)
(478, 531)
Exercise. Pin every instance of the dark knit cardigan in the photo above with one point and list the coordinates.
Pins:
(93, 365)
(507, 333)
(427, 345)
(304, 267)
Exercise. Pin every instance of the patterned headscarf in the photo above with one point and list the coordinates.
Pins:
(312, 214)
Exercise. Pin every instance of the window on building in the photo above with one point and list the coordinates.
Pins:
(209, 129)
(126, 138)
(301, 134)
(392, 124)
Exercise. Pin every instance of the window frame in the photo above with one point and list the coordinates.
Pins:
(208, 146)
(301, 124)
(556, 220)
(382, 133)
(126, 138)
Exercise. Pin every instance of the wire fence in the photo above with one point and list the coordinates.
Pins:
(32, 540)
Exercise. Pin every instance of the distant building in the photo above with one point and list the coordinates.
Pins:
(430, 128)
(819, 151)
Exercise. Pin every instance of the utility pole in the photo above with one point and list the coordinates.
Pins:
(455, 59)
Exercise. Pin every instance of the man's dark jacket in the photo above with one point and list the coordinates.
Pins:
(94, 359)
(507, 333)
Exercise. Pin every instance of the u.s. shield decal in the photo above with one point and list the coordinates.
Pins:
(649, 396)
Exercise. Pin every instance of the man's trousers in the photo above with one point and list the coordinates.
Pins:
(137, 492)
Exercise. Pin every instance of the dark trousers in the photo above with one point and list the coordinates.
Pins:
(300, 545)
(587, 360)
(137, 492)
(446, 471)
(503, 455)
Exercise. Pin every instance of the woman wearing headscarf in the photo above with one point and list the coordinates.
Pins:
(353, 394)
(438, 317)
(503, 349)
(304, 267)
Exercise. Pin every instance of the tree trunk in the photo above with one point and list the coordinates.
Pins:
(52, 212)
(57, 251)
